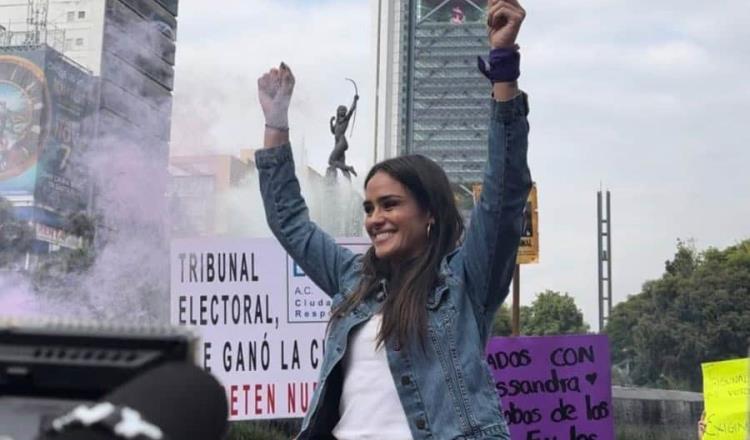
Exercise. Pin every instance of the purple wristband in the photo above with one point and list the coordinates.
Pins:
(504, 65)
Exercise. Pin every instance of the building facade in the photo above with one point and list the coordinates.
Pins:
(197, 193)
(431, 98)
(137, 75)
(128, 44)
(126, 50)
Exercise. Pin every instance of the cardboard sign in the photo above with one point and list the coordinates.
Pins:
(726, 390)
(261, 320)
(554, 387)
(528, 247)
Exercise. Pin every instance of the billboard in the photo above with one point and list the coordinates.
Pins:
(262, 321)
(24, 120)
(57, 236)
(45, 106)
(62, 179)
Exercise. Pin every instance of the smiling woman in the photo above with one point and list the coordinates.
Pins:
(410, 318)
(412, 220)
(396, 221)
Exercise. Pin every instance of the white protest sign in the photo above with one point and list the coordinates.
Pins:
(261, 320)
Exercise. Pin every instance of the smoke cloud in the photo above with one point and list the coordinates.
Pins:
(129, 278)
(215, 110)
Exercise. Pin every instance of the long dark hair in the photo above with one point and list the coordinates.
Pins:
(404, 308)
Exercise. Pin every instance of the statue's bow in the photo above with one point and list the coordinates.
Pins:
(354, 115)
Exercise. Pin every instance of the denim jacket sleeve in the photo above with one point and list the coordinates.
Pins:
(316, 252)
(488, 254)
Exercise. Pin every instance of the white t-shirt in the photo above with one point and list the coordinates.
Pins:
(369, 406)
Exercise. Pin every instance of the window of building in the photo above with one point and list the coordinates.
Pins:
(79, 41)
(81, 15)
(451, 11)
(68, 43)
(71, 15)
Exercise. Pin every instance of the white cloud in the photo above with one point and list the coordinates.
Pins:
(652, 105)
(675, 55)
(216, 77)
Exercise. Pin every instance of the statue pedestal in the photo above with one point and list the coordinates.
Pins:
(331, 176)
(331, 173)
(331, 195)
(342, 207)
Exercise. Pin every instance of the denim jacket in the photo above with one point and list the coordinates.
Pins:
(446, 389)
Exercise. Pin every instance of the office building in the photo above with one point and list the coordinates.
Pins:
(431, 99)
(126, 49)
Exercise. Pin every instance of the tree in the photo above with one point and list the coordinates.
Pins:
(698, 311)
(551, 313)
(16, 235)
(81, 225)
(502, 324)
(52, 271)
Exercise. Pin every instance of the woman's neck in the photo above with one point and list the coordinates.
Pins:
(398, 270)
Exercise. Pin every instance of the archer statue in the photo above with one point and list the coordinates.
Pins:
(339, 124)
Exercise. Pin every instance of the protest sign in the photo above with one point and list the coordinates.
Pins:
(726, 393)
(528, 247)
(261, 320)
(554, 387)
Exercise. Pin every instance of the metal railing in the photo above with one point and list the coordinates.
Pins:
(14, 35)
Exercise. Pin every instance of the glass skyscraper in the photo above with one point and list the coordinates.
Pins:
(432, 100)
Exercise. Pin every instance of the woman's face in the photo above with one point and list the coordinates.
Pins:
(394, 221)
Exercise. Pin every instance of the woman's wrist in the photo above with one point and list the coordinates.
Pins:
(505, 91)
(503, 70)
(275, 136)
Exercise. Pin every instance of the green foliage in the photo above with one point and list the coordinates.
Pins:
(551, 313)
(16, 238)
(53, 269)
(259, 430)
(15, 235)
(698, 311)
(82, 225)
(502, 324)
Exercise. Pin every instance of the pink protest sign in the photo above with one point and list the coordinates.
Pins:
(554, 387)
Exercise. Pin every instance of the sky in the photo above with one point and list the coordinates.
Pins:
(647, 99)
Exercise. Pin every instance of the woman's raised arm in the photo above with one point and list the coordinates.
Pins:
(317, 253)
(491, 243)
